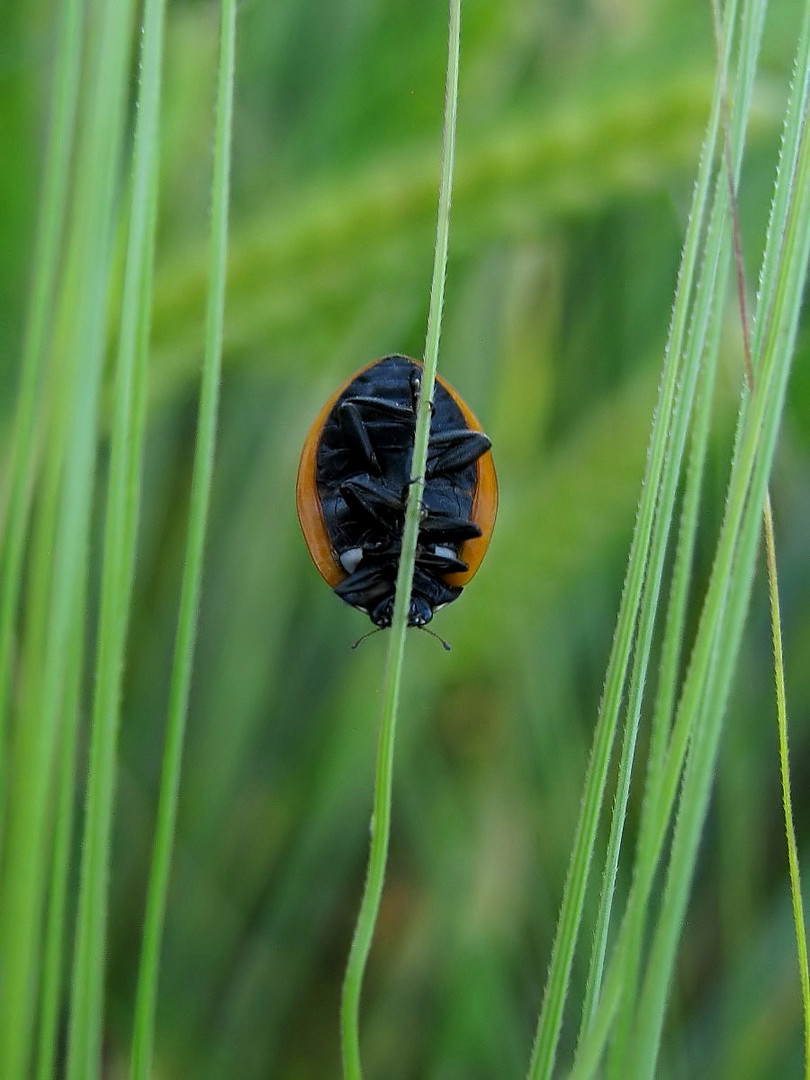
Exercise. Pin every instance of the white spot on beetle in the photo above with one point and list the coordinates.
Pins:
(350, 559)
(445, 552)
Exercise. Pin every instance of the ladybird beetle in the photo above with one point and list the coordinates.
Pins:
(352, 488)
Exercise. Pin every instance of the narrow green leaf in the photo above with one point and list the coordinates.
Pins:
(708, 681)
(23, 452)
(67, 497)
(551, 1016)
(146, 1000)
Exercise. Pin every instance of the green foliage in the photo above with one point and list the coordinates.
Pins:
(578, 140)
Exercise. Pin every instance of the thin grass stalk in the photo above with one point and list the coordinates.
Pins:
(23, 452)
(776, 622)
(784, 767)
(671, 651)
(633, 922)
(622, 973)
(34, 742)
(550, 1020)
(792, 132)
(776, 633)
(708, 681)
(731, 577)
(711, 284)
(655, 823)
(140, 380)
(84, 283)
(156, 901)
(610, 997)
(701, 356)
(54, 966)
(697, 784)
(117, 572)
(381, 815)
(784, 773)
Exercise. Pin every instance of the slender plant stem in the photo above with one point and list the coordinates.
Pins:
(23, 458)
(550, 1020)
(54, 948)
(78, 347)
(671, 650)
(657, 809)
(146, 1001)
(381, 816)
(784, 768)
(778, 311)
(773, 591)
(123, 496)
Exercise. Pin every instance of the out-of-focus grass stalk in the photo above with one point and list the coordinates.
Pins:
(63, 516)
(23, 454)
(53, 963)
(146, 1000)
(381, 816)
(123, 495)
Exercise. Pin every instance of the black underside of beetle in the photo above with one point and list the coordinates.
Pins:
(363, 474)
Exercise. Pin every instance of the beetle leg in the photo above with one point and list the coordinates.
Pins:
(434, 590)
(366, 586)
(454, 450)
(371, 498)
(440, 564)
(443, 527)
(356, 434)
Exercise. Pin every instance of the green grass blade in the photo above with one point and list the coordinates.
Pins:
(69, 487)
(381, 818)
(776, 629)
(711, 285)
(784, 770)
(119, 545)
(671, 650)
(550, 1021)
(721, 625)
(23, 451)
(146, 1000)
(53, 966)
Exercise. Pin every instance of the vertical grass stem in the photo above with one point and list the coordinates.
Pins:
(146, 999)
(381, 816)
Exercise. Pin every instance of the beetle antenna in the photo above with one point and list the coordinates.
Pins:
(434, 634)
(376, 630)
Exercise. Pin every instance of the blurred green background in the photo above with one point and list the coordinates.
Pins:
(578, 136)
